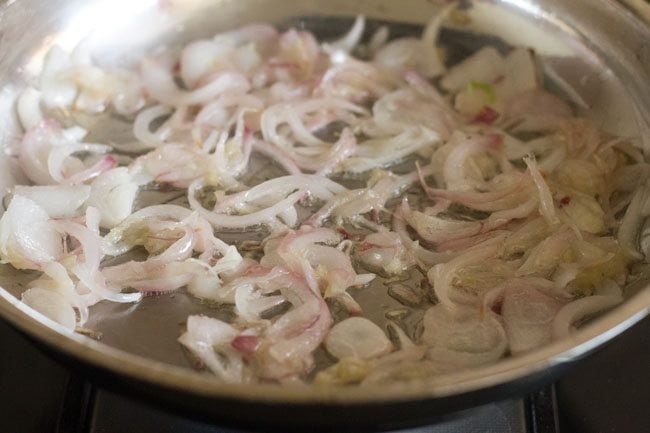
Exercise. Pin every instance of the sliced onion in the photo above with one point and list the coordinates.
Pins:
(577, 310)
(461, 339)
(528, 314)
(213, 290)
(160, 85)
(441, 276)
(250, 303)
(27, 237)
(141, 126)
(419, 54)
(293, 337)
(435, 229)
(104, 164)
(265, 216)
(200, 57)
(378, 39)
(359, 201)
(485, 65)
(520, 73)
(159, 212)
(291, 114)
(537, 111)
(29, 108)
(352, 38)
(274, 189)
(87, 270)
(209, 339)
(404, 364)
(505, 191)
(51, 304)
(455, 170)
(547, 254)
(57, 86)
(59, 201)
(388, 151)
(384, 251)
(546, 205)
(321, 266)
(152, 277)
(34, 149)
(357, 337)
(425, 108)
(113, 193)
(635, 215)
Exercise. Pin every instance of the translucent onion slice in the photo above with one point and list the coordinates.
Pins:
(580, 309)
(385, 252)
(357, 337)
(210, 340)
(29, 108)
(436, 229)
(51, 304)
(638, 210)
(462, 339)
(160, 85)
(546, 204)
(528, 314)
(56, 84)
(485, 65)
(388, 151)
(350, 40)
(59, 201)
(28, 238)
(113, 193)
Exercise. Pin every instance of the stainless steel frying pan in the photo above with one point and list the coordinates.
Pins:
(600, 50)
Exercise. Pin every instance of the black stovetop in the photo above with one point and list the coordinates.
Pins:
(607, 392)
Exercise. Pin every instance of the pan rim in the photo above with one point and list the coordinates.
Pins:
(183, 379)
